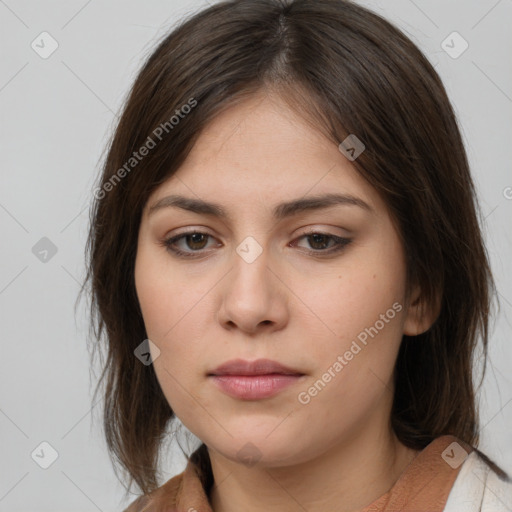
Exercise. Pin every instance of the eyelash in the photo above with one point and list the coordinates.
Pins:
(340, 244)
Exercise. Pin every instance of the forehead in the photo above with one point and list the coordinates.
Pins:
(263, 125)
(262, 151)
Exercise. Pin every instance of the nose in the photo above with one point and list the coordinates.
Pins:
(254, 296)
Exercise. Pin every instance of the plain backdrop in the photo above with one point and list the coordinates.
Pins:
(56, 116)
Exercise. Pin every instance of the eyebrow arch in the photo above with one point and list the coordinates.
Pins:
(281, 211)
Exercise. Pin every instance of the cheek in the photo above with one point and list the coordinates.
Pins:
(354, 364)
(166, 297)
(342, 304)
(165, 316)
(358, 316)
(173, 311)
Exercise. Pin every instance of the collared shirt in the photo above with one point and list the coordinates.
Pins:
(425, 484)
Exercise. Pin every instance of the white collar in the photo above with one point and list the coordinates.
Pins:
(478, 488)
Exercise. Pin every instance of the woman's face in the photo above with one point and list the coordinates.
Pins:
(257, 284)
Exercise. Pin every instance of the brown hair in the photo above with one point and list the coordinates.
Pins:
(347, 71)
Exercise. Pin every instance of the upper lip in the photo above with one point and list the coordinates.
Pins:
(257, 367)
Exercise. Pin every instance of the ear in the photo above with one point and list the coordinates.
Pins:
(420, 316)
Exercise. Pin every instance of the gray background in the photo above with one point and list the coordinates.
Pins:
(56, 116)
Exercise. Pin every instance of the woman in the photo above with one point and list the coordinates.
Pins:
(285, 255)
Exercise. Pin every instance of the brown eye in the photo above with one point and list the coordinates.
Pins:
(196, 240)
(319, 241)
(191, 243)
(324, 243)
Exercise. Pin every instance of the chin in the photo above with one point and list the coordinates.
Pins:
(258, 450)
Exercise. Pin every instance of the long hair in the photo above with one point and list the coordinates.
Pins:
(346, 70)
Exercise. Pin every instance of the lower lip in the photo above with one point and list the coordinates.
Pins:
(254, 387)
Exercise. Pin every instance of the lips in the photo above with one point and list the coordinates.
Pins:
(254, 380)
(257, 367)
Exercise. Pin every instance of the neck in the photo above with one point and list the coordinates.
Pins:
(346, 477)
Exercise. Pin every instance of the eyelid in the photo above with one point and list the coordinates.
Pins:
(310, 230)
(324, 230)
(340, 243)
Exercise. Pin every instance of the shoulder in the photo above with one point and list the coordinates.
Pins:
(162, 499)
(138, 504)
(180, 492)
(478, 488)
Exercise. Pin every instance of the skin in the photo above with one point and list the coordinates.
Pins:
(337, 452)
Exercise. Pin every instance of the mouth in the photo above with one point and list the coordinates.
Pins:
(254, 380)
(259, 367)
(254, 387)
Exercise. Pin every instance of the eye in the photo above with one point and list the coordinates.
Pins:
(320, 241)
(196, 241)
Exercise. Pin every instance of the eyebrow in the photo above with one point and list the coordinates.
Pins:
(280, 211)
